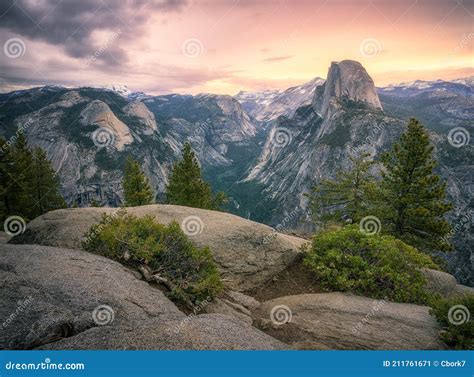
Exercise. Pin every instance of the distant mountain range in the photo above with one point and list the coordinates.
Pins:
(264, 149)
(268, 105)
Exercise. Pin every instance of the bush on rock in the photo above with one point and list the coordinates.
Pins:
(455, 316)
(163, 252)
(378, 266)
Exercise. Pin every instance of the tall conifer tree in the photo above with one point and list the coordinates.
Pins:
(186, 186)
(21, 180)
(137, 190)
(347, 197)
(28, 186)
(413, 197)
(45, 188)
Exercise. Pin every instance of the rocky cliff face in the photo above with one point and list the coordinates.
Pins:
(99, 113)
(247, 253)
(88, 133)
(345, 118)
(211, 123)
(73, 300)
(268, 105)
(441, 105)
(446, 108)
(265, 150)
(347, 80)
(138, 110)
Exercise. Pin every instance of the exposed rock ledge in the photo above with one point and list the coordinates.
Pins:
(247, 253)
(343, 321)
(49, 296)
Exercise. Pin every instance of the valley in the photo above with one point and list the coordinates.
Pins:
(265, 150)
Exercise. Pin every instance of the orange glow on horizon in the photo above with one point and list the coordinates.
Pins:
(228, 46)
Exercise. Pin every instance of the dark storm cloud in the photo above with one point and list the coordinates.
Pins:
(71, 23)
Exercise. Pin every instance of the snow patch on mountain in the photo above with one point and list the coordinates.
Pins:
(268, 105)
(463, 86)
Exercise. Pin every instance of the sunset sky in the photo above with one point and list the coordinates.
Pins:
(224, 46)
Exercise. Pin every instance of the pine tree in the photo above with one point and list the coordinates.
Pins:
(347, 197)
(5, 182)
(19, 194)
(186, 186)
(28, 186)
(137, 190)
(45, 188)
(413, 201)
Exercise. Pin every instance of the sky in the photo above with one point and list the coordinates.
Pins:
(224, 46)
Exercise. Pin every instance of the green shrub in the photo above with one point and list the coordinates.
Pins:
(455, 316)
(165, 249)
(346, 259)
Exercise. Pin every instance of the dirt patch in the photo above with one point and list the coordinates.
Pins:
(295, 280)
